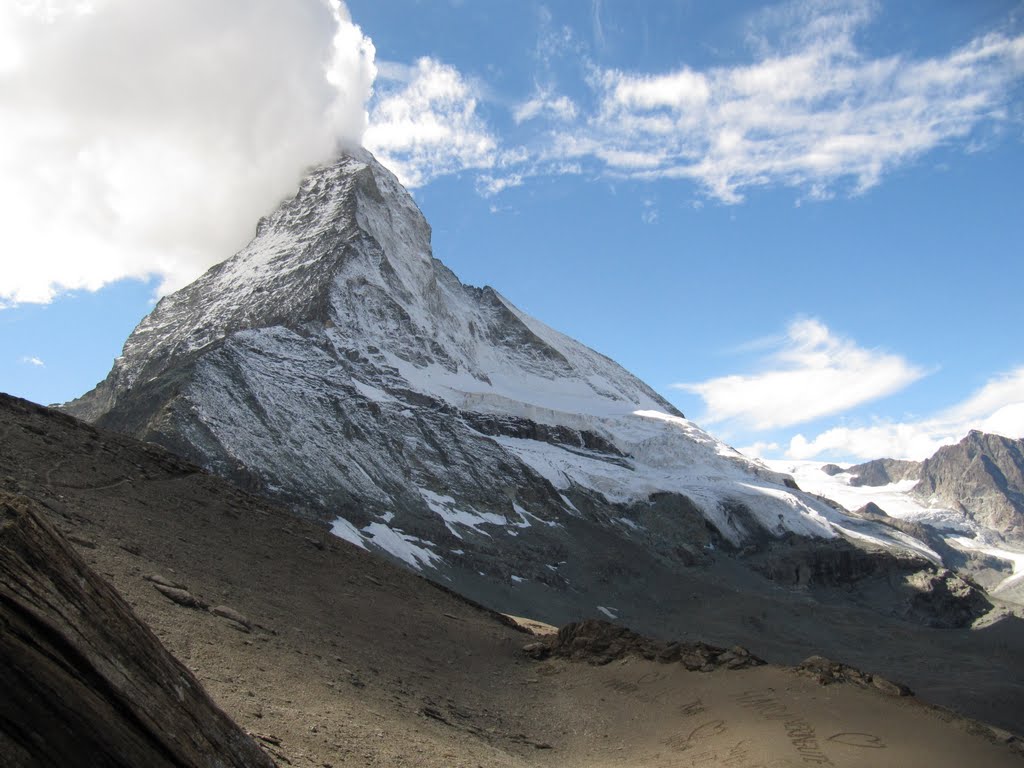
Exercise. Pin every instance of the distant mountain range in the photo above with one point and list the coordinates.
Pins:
(967, 500)
(981, 476)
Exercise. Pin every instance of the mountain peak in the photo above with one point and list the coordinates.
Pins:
(982, 475)
(337, 365)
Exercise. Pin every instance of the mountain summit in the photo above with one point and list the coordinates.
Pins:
(335, 364)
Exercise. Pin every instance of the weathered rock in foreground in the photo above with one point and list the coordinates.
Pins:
(84, 681)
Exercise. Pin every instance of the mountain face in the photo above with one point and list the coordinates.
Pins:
(982, 476)
(339, 647)
(334, 364)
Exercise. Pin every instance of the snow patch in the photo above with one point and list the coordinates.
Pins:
(372, 393)
(406, 548)
(1013, 556)
(610, 612)
(343, 529)
(445, 508)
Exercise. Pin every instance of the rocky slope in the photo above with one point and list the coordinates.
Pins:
(335, 364)
(981, 477)
(331, 655)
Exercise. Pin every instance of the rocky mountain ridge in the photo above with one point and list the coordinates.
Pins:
(882, 472)
(982, 475)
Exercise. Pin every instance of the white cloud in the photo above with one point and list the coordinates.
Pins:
(812, 110)
(545, 103)
(32, 360)
(595, 11)
(811, 374)
(997, 407)
(426, 125)
(141, 139)
(488, 185)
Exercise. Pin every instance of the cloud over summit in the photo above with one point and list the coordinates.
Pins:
(144, 139)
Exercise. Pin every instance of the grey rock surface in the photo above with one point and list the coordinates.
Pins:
(884, 472)
(983, 476)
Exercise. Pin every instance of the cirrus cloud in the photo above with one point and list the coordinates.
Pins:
(812, 110)
(424, 123)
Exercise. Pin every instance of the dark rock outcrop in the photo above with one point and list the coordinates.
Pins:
(83, 681)
(944, 600)
(803, 563)
(601, 642)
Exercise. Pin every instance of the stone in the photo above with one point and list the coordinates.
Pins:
(181, 596)
(537, 650)
(233, 616)
(157, 578)
(889, 687)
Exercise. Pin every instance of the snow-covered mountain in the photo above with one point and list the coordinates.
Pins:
(335, 364)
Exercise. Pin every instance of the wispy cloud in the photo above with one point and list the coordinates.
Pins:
(649, 215)
(545, 103)
(32, 360)
(597, 23)
(141, 139)
(426, 125)
(997, 407)
(811, 374)
(811, 111)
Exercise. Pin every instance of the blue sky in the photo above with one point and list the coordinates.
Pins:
(801, 222)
